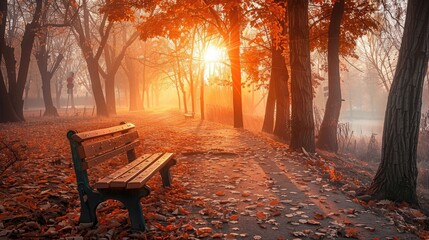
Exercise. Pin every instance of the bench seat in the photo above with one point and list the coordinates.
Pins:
(135, 174)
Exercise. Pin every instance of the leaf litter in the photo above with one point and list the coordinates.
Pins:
(217, 185)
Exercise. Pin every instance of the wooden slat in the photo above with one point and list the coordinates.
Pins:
(79, 137)
(121, 182)
(104, 183)
(100, 147)
(140, 180)
(90, 162)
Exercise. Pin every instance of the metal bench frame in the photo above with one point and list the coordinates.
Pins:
(90, 198)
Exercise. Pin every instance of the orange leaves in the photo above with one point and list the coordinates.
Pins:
(170, 228)
(313, 222)
(118, 10)
(357, 20)
(188, 227)
(217, 235)
(234, 217)
(183, 211)
(261, 215)
(245, 194)
(319, 216)
(352, 232)
(416, 213)
(220, 193)
(158, 225)
(204, 231)
(189, 190)
(333, 175)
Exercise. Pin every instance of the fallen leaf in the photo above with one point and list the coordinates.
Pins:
(261, 215)
(313, 222)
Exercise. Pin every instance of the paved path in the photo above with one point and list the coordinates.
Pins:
(248, 186)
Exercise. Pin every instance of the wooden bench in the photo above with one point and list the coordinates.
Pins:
(127, 184)
(189, 115)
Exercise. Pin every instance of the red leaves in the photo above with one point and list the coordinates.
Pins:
(334, 175)
(319, 216)
(167, 210)
(245, 194)
(220, 193)
(352, 232)
(261, 215)
(170, 228)
(183, 211)
(118, 10)
(204, 232)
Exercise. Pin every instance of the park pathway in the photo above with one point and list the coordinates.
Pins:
(249, 186)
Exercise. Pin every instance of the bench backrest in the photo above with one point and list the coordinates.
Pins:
(94, 147)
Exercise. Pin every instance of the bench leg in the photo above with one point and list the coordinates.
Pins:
(135, 213)
(88, 206)
(131, 200)
(166, 177)
(165, 173)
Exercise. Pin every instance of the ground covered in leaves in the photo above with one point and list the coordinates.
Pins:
(228, 184)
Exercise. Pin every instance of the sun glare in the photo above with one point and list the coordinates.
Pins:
(212, 54)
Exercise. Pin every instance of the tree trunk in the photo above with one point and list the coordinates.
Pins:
(92, 65)
(147, 95)
(42, 57)
(234, 57)
(10, 63)
(191, 73)
(143, 83)
(26, 91)
(396, 176)
(109, 89)
(85, 43)
(182, 89)
(191, 90)
(302, 134)
(181, 83)
(281, 128)
(16, 91)
(202, 93)
(113, 62)
(328, 129)
(271, 102)
(135, 99)
(50, 109)
(178, 95)
(133, 83)
(7, 112)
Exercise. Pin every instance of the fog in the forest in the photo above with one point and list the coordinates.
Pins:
(363, 106)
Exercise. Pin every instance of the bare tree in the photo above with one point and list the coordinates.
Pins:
(11, 101)
(396, 177)
(84, 32)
